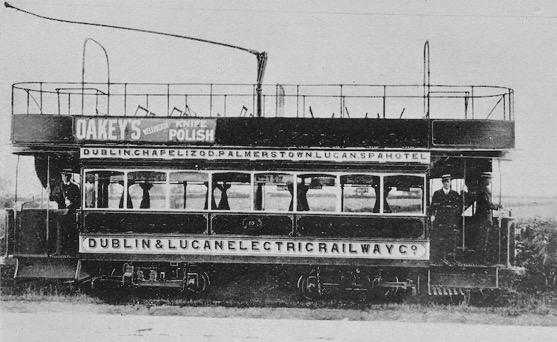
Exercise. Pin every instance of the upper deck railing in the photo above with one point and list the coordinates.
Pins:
(279, 100)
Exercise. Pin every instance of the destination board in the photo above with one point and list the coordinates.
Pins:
(315, 155)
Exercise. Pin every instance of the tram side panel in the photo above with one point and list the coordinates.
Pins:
(330, 230)
(36, 232)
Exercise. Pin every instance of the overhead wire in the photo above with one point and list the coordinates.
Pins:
(336, 13)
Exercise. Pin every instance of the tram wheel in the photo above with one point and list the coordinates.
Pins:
(196, 283)
(382, 290)
(309, 286)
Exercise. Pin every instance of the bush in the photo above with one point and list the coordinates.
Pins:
(537, 252)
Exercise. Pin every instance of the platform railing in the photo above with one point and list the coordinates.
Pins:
(279, 100)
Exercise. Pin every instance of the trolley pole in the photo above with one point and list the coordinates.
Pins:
(261, 56)
(261, 64)
(427, 79)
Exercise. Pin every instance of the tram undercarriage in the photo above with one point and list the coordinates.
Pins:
(375, 282)
(188, 278)
(310, 282)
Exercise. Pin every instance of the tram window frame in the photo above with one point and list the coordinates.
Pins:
(198, 178)
(85, 191)
(423, 196)
(314, 184)
(125, 193)
(157, 179)
(213, 176)
(260, 206)
(217, 197)
(344, 196)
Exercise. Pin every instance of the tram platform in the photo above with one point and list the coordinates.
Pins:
(461, 275)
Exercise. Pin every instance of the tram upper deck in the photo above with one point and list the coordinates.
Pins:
(450, 119)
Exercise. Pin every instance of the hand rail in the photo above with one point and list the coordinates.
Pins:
(279, 100)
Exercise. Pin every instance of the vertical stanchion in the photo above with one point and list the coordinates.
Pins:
(211, 99)
(41, 96)
(15, 208)
(167, 99)
(463, 210)
(466, 96)
(47, 206)
(253, 96)
(384, 101)
(13, 94)
(341, 111)
(504, 107)
(500, 213)
(125, 99)
(472, 98)
(297, 100)
(427, 79)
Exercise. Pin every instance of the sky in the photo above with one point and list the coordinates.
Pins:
(504, 43)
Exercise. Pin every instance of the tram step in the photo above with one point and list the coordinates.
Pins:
(445, 291)
(468, 276)
(46, 267)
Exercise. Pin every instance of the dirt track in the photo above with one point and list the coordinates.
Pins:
(36, 321)
(105, 327)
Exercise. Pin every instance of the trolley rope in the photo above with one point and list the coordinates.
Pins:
(257, 53)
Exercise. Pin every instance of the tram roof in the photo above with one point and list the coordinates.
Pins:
(444, 118)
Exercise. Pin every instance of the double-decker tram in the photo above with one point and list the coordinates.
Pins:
(378, 188)
(177, 181)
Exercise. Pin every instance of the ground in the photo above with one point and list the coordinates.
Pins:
(35, 321)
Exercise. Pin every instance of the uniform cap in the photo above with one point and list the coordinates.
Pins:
(487, 175)
(446, 176)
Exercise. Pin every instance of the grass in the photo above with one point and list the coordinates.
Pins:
(405, 312)
(259, 294)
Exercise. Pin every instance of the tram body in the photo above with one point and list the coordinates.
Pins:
(340, 201)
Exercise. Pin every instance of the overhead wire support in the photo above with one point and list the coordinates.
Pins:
(427, 79)
(261, 56)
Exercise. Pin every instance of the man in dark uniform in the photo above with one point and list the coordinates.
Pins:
(67, 194)
(446, 209)
(68, 197)
(483, 215)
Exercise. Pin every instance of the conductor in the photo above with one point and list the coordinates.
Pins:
(446, 207)
(68, 197)
(67, 194)
(484, 214)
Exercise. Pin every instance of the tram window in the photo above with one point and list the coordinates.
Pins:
(317, 193)
(104, 189)
(188, 190)
(147, 189)
(271, 192)
(403, 194)
(358, 193)
(231, 191)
